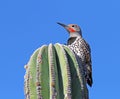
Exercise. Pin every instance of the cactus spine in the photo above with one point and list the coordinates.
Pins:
(54, 72)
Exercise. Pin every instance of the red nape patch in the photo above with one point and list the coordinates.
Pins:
(71, 30)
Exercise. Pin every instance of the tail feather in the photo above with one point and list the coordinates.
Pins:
(89, 79)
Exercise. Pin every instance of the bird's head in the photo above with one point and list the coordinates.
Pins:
(73, 29)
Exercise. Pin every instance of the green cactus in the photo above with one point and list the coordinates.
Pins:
(54, 72)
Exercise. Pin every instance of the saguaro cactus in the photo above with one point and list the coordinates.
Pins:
(54, 72)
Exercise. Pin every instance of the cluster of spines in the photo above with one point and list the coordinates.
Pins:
(26, 86)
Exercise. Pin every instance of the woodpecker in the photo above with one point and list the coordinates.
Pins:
(81, 48)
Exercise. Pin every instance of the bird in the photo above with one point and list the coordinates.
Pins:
(81, 48)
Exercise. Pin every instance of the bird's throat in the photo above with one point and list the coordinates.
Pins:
(75, 34)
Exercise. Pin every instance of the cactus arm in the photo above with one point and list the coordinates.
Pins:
(65, 71)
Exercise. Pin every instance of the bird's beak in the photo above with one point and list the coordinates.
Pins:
(65, 26)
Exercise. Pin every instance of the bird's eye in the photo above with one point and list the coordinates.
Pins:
(73, 26)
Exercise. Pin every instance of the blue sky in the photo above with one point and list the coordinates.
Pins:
(26, 25)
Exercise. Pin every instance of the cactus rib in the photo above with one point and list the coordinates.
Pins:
(38, 73)
(42, 73)
(76, 67)
(54, 87)
(66, 77)
(30, 88)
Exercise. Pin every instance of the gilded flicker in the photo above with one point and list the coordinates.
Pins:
(81, 48)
